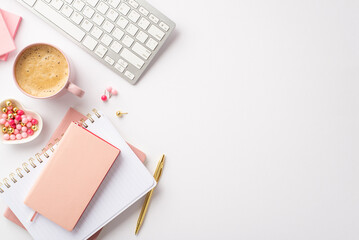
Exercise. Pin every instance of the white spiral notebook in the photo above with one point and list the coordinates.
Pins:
(126, 182)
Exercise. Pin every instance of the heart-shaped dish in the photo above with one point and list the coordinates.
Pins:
(28, 113)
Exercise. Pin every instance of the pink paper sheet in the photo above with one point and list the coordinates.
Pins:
(6, 42)
(12, 22)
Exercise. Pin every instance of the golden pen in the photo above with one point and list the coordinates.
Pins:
(156, 176)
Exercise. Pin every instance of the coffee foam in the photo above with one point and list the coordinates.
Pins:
(41, 71)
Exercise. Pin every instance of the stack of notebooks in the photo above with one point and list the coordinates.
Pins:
(79, 184)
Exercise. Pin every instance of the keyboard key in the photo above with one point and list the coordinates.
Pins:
(78, 5)
(133, 3)
(143, 23)
(107, 26)
(132, 58)
(109, 60)
(134, 16)
(88, 12)
(116, 46)
(114, 3)
(98, 19)
(29, 2)
(68, 1)
(117, 33)
(122, 22)
(101, 51)
(96, 32)
(153, 18)
(93, 3)
(132, 29)
(86, 25)
(67, 11)
(106, 39)
(89, 42)
(142, 37)
(119, 67)
(77, 18)
(60, 21)
(102, 7)
(129, 75)
(122, 63)
(151, 44)
(112, 15)
(57, 4)
(141, 51)
(164, 26)
(127, 40)
(124, 8)
(143, 11)
(156, 32)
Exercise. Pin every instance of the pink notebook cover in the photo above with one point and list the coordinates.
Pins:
(71, 115)
(12, 22)
(71, 176)
(6, 41)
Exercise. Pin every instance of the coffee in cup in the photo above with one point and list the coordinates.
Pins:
(42, 71)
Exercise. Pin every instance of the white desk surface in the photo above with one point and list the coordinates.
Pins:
(255, 104)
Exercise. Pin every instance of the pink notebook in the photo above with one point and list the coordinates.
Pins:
(12, 22)
(70, 116)
(6, 41)
(62, 193)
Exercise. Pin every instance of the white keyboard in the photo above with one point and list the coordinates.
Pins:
(125, 35)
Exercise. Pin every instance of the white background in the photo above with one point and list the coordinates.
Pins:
(255, 103)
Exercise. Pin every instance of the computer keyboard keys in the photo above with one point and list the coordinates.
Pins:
(67, 11)
(102, 7)
(127, 40)
(143, 11)
(143, 23)
(114, 3)
(89, 42)
(88, 12)
(132, 29)
(134, 16)
(124, 8)
(119, 67)
(112, 15)
(122, 63)
(153, 18)
(133, 3)
(78, 5)
(108, 26)
(116, 47)
(156, 32)
(117, 33)
(122, 22)
(164, 26)
(152, 44)
(98, 19)
(92, 2)
(101, 51)
(77, 18)
(68, 1)
(132, 58)
(141, 51)
(129, 75)
(57, 4)
(142, 37)
(109, 60)
(86, 25)
(106, 39)
(96, 32)
(59, 20)
(29, 2)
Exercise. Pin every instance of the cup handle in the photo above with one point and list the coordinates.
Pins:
(74, 89)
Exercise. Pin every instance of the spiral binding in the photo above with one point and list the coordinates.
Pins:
(32, 161)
